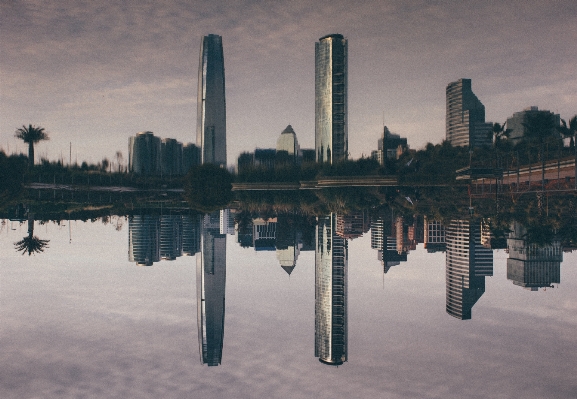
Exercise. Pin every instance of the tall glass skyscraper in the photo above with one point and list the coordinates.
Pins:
(331, 133)
(211, 104)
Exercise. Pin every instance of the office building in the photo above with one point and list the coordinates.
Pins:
(518, 121)
(144, 154)
(467, 265)
(434, 235)
(211, 104)
(287, 146)
(465, 116)
(331, 330)
(390, 146)
(331, 120)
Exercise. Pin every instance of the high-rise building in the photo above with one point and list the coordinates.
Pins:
(144, 154)
(331, 120)
(211, 104)
(331, 331)
(468, 263)
(171, 157)
(210, 290)
(465, 117)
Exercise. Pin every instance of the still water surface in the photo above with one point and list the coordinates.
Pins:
(81, 319)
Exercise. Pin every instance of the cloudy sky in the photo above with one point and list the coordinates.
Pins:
(95, 73)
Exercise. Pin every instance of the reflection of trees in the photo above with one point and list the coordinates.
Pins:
(31, 244)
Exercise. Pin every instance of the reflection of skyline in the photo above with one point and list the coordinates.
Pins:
(210, 289)
(155, 237)
(467, 265)
(331, 261)
(530, 266)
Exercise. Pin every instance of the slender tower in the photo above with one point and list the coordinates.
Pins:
(211, 104)
(331, 133)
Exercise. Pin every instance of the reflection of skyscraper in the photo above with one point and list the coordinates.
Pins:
(331, 336)
(264, 234)
(434, 235)
(191, 234)
(468, 262)
(211, 104)
(529, 265)
(143, 239)
(331, 134)
(353, 225)
(210, 285)
(384, 240)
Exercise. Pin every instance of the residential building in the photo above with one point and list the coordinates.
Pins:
(465, 116)
(144, 154)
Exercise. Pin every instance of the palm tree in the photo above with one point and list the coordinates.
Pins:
(31, 244)
(31, 135)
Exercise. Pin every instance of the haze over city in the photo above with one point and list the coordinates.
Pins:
(95, 74)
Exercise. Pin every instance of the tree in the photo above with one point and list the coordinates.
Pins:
(540, 128)
(31, 135)
(571, 131)
(208, 187)
(31, 244)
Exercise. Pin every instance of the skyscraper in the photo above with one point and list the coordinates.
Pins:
(465, 117)
(211, 104)
(331, 133)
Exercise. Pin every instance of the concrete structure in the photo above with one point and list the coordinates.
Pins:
(331, 119)
(331, 330)
(211, 104)
(516, 122)
(468, 263)
(465, 116)
(144, 151)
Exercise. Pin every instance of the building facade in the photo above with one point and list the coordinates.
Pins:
(465, 116)
(211, 103)
(287, 146)
(331, 119)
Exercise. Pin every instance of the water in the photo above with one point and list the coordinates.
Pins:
(82, 320)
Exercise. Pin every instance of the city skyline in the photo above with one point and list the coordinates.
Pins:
(105, 74)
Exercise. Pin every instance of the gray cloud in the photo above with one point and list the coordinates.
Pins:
(65, 63)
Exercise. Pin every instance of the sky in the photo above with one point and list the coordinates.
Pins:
(95, 73)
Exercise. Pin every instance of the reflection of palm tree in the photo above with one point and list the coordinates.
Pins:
(571, 132)
(31, 244)
(31, 135)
